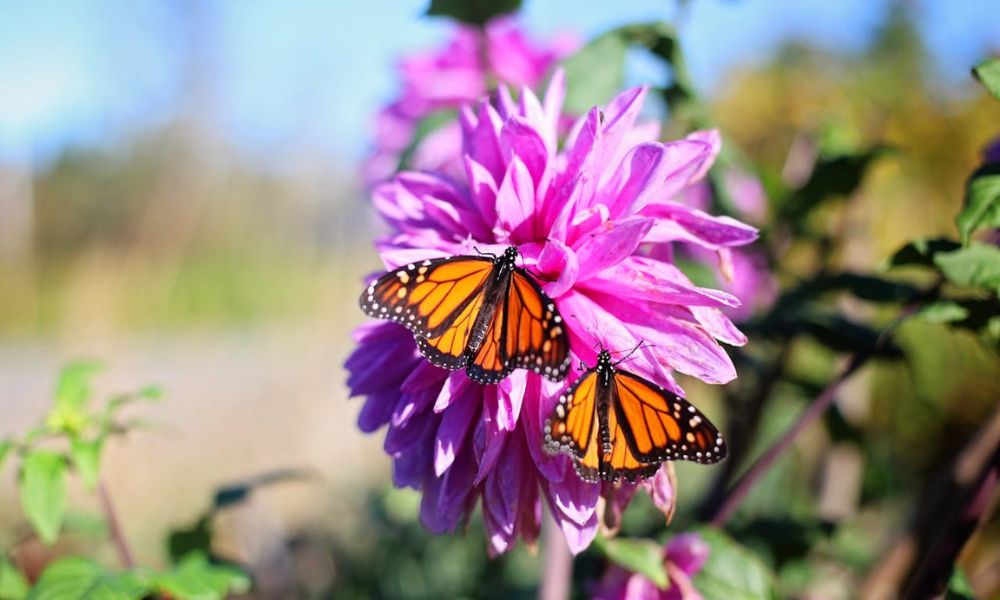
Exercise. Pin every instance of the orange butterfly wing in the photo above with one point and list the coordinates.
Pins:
(536, 337)
(489, 364)
(658, 425)
(430, 296)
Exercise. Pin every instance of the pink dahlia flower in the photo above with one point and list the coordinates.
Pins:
(461, 72)
(588, 219)
(683, 557)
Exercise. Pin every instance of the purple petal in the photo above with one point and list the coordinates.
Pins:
(688, 551)
(411, 404)
(676, 222)
(488, 440)
(423, 376)
(448, 499)
(453, 389)
(482, 140)
(401, 439)
(377, 410)
(411, 468)
(510, 396)
(611, 243)
(451, 432)
(578, 535)
(483, 188)
(712, 138)
(575, 498)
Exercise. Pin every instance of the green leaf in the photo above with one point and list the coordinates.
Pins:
(5, 447)
(43, 492)
(921, 252)
(959, 587)
(636, 555)
(195, 578)
(988, 74)
(13, 585)
(595, 74)
(82, 579)
(977, 265)
(473, 12)
(982, 202)
(943, 312)
(732, 572)
(75, 382)
(87, 459)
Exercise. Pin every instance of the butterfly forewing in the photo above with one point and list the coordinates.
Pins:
(572, 428)
(475, 312)
(659, 425)
(430, 296)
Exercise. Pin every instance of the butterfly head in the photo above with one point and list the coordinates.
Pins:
(604, 361)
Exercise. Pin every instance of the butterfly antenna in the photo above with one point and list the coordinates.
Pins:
(633, 351)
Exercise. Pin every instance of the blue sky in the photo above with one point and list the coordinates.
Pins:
(278, 74)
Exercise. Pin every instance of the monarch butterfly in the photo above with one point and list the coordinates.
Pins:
(616, 425)
(481, 313)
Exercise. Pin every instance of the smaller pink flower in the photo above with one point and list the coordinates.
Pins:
(684, 556)
(467, 68)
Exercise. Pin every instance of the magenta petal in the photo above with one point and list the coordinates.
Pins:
(676, 222)
(688, 551)
(679, 343)
(483, 188)
(423, 376)
(609, 244)
(559, 265)
(451, 432)
(483, 141)
(488, 441)
(516, 201)
(578, 535)
(652, 173)
(718, 325)
(519, 139)
(651, 280)
(712, 138)
(619, 117)
(661, 490)
(575, 498)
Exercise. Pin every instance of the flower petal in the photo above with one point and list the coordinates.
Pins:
(451, 432)
(676, 222)
(558, 263)
(651, 280)
(611, 243)
(662, 489)
(516, 202)
(688, 551)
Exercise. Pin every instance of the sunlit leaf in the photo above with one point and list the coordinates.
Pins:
(82, 579)
(988, 73)
(43, 492)
(977, 265)
(5, 447)
(943, 312)
(473, 12)
(732, 572)
(87, 459)
(595, 73)
(982, 202)
(195, 578)
(959, 587)
(13, 585)
(73, 389)
(638, 556)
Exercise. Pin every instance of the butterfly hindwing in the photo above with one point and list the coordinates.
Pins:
(536, 337)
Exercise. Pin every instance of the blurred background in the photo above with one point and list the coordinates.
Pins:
(180, 199)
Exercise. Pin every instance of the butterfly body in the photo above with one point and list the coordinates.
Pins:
(481, 313)
(618, 425)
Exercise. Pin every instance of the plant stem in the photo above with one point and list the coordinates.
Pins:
(117, 535)
(815, 409)
(557, 565)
